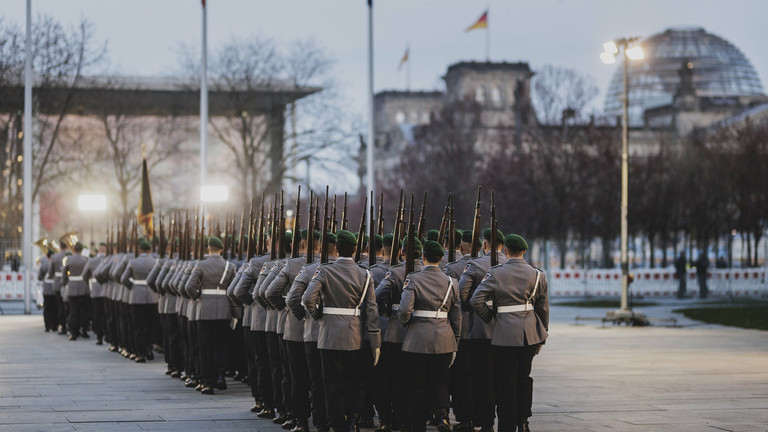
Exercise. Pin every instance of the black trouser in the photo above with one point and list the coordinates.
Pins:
(481, 361)
(365, 386)
(275, 370)
(703, 291)
(342, 373)
(427, 375)
(236, 348)
(250, 361)
(300, 382)
(51, 311)
(263, 368)
(172, 342)
(382, 389)
(183, 328)
(113, 334)
(141, 317)
(76, 320)
(461, 383)
(213, 349)
(155, 330)
(99, 321)
(681, 288)
(514, 385)
(317, 387)
(62, 311)
(193, 348)
(285, 382)
(87, 315)
(164, 334)
(396, 381)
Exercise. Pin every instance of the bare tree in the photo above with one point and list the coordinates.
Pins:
(558, 90)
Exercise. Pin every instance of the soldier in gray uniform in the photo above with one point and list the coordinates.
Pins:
(77, 291)
(97, 293)
(388, 294)
(50, 307)
(208, 282)
(142, 301)
(522, 318)
(479, 339)
(429, 308)
(461, 371)
(311, 335)
(54, 273)
(340, 295)
(382, 384)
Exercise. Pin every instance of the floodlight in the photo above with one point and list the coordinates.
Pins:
(607, 58)
(611, 48)
(92, 202)
(635, 53)
(214, 193)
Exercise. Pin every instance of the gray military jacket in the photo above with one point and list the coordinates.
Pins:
(429, 308)
(72, 275)
(244, 292)
(135, 280)
(277, 292)
(97, 290)
(208, 282)
(514, 285)
(473, 274)
(454, 270)
(293, 300)
(274, 317)
(348, 305)
(55, 269)
(42, 276)
(242, 312)
(379, 272)
(389, 292)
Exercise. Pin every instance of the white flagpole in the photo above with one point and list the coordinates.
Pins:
(488, 34)
(27, 166)
(371, 137)
(204, 101)
(408, 70)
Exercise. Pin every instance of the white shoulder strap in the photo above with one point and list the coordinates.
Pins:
(224, 275)
(535, 285)
(447, 293)
(365, 289)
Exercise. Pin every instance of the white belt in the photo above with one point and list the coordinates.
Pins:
(515, 308)
(47, 280)
(341, 311)
(57, 274)
(214, 291)
(138, 281)
(395, 307)
(489, 303)
(430, 314)
(75, 278)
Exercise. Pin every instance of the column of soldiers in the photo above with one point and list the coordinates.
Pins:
(324, 324)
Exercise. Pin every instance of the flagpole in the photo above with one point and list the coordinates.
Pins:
(487, 35)
(27, 166)
(408, 70)
(371, 137)
(204, 100)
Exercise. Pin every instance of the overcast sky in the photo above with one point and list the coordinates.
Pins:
(144, 35)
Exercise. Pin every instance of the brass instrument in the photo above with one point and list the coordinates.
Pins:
(44, 244)
(70, 239)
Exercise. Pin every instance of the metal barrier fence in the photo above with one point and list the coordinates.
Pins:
(12, 287)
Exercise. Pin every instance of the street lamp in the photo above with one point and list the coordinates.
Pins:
(92, 204)
(630, 51)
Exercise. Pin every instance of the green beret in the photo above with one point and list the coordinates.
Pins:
(466, 236)
(416, 244)
(345, 237)
(142, 238)
(514, 242)
(288, 238)
(433, 251)
(215, 242)
(304, 234)
(145, 246)
(102, 244)
(365, 239)
(387, 240)
(499, 235)
(316, 234)
(378, 242)
(433, 234)
(331, 237)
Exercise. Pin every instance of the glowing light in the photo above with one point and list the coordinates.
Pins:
(607, 58)
(214, 193)
(92, 202)
(635, 53)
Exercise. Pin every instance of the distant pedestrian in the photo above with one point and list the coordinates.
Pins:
(721, 262)
(702, 265)
(681, 272)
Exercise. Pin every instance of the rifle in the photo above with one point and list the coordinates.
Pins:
(249, 248)
(372, 235)
(161, 233)
(409, 242)
(444, 222)
(281, 252)
(273, 231)
(198, 239)
(333, 210)
(324, 232)
(494, 241)
(361, 233)
(260, 246)
(422, 218)
(344, 222)
(380, 229)
(295, 251)
(393, 259)
(135, 238)
(156, 239)
(173, 236)
(311, 228)
(318, 224)
(476, 226)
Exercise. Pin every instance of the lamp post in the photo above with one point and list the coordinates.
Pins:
(626, 47)
(92, 204)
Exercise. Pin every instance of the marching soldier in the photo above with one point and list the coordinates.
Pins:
(55, 273)
(522, 318)
(429, 308)
(77, 292)
(382, 397)
(142, 301)
(97, 293)
(208, 282)
(50, 308)
(480, 332)
(348, 309)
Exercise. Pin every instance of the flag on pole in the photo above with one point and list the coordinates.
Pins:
(481, 23)
(203, 3)
(404, 59)
(145, 202)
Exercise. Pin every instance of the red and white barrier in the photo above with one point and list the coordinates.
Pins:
(11, 285)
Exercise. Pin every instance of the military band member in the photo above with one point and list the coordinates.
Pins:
(522, 318)
(98, 294)
(208, 282)
(142, 301)
(340, 295)
(429, 308)
(77, 292)
(54, 273)
(50, 307)
(480, 332)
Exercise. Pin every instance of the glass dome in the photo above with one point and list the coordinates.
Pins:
(719, 70)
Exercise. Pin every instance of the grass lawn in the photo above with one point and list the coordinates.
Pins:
(611, 304)
(751, 317)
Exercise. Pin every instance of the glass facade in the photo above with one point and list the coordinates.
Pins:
(719, 70)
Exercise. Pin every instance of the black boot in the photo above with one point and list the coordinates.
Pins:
(384, 427)
(443, 425)
(266, 413)
(289, 424)
(523, 426)
(280, 419)
(464, 427)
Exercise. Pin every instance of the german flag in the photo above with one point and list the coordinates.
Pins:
(404, 59)
(481, 23)
(145, 202)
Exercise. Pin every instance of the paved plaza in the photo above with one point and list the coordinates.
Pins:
(693, 377)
